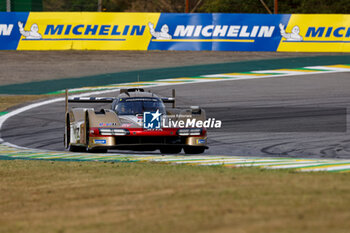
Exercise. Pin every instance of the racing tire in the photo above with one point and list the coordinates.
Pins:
(87, 128)
(170, 150)
(67, 133)
(87, 133)
(73, 148)
(194, 150)
(97, 150)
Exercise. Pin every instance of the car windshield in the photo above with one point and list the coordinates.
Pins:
(134, 106)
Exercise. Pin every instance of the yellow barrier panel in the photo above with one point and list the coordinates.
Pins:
(81, 31)
(316, 33)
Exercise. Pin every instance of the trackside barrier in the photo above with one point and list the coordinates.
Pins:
(165, 31)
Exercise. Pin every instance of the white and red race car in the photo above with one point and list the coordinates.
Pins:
(137, 120)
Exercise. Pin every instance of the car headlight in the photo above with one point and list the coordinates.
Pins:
(189, 132)
(114, 132)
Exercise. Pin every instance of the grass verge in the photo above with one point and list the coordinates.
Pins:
(44, 196)
(8, 101)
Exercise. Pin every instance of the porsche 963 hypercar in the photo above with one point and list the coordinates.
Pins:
(137, 120)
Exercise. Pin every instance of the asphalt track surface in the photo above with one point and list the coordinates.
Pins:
(280, 133)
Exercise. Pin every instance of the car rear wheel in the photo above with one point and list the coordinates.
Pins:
(87, 128)
(67, 133)
(67, 143)
(194, 150)
(87, 135)
(170, 150)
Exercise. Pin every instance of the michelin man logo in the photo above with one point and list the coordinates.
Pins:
(151, 120)
(162, 35)
(293, 36)
(32, 34)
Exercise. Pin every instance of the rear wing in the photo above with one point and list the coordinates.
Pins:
(91, 99)
(86, 100)
(110, 99)
(168, 100)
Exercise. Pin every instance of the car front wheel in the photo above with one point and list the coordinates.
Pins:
(194, 150)
(170, 150)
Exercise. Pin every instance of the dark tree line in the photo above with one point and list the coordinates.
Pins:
(208, 6)
(284, 6)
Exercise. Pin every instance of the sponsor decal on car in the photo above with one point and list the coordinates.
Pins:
(201, 141)
(107, 124)
(100, 141)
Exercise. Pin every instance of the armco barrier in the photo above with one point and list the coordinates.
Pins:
(158, 31)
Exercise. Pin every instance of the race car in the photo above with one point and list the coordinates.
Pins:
(137, 120)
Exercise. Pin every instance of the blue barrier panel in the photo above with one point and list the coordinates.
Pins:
(226, 32)
(9, 29)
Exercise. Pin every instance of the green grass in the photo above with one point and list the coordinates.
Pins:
(44, 196)
(8, 101)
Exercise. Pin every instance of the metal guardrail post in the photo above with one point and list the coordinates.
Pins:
(276, 7)
(8, 5)
(99, 5)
